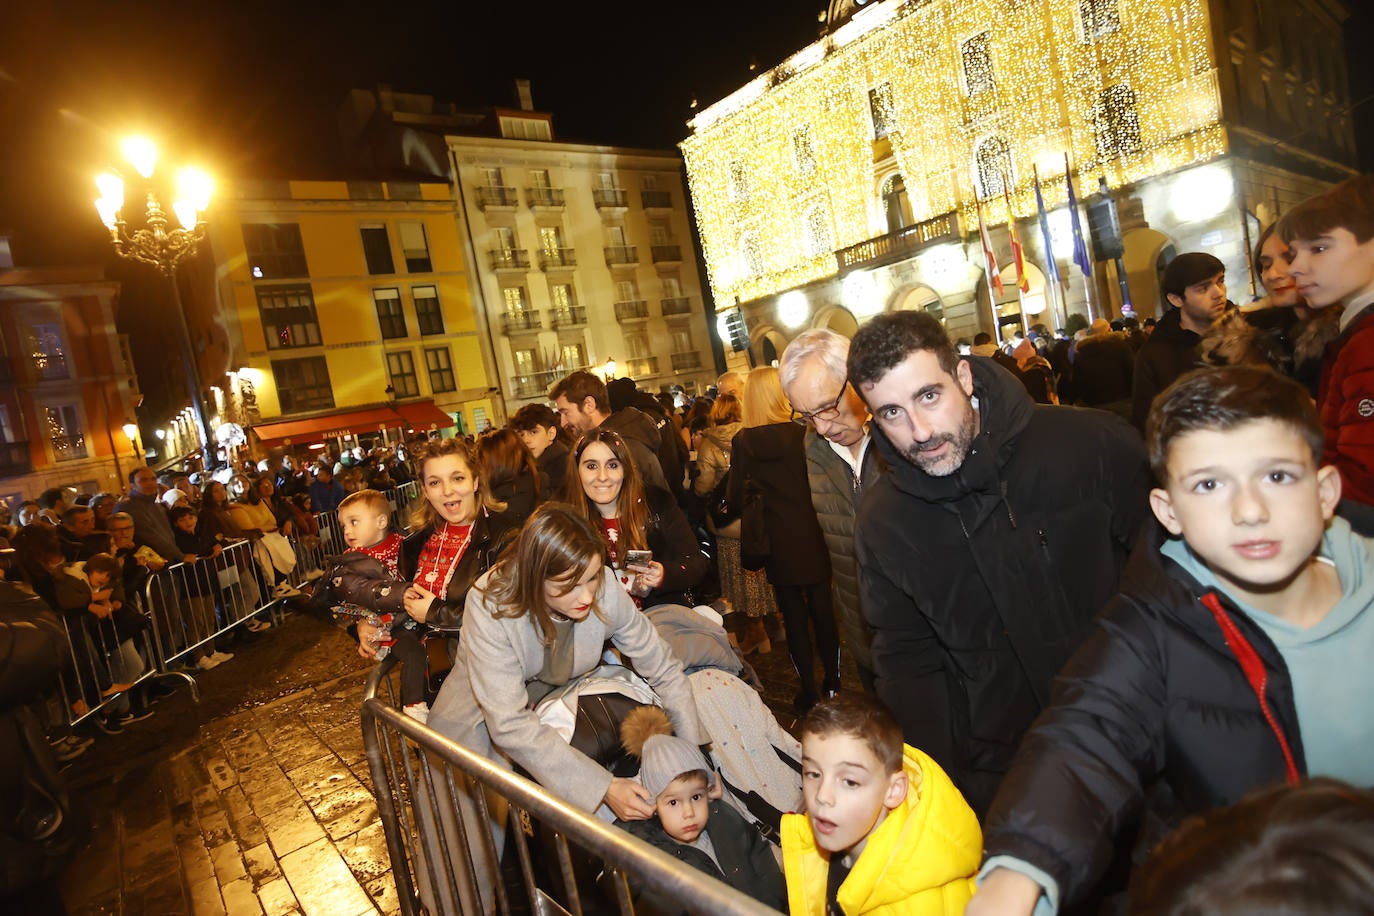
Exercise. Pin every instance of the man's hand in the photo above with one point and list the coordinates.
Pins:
(629, 800)
(1003, 893)
(189, 558)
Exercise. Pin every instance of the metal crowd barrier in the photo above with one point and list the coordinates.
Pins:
(105, 664)
(445, 810)
(313, 552)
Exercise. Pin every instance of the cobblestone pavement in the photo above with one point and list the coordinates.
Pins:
(257, 799)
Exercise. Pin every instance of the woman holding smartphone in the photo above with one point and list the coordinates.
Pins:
(608, 491)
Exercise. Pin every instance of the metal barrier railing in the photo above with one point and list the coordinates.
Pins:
(444, 810)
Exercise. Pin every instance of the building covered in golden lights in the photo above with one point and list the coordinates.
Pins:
(845, 181)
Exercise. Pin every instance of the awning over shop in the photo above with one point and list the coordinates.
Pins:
(424, 415)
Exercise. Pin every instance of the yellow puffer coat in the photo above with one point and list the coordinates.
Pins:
(921, 860)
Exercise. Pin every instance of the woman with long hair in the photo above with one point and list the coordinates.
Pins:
(511, 472)
(769, 455)
(608, 491)
(458, 531)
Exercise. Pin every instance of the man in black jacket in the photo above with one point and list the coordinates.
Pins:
(984, 553)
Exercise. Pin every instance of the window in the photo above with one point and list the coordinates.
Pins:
(804, 150)
(994, 166)
(440, 369)
(7, 432)
(539, 178)
(574, 356)
(672, 286)
(817, 232)
(288, 316)
(561, 294)
(681, 335)
(752, 256)
(492, 178)
(275, 250)
(880, 108)
(739, 181)
(616, 234)
(516, 302)
(505, 237)
(43, 344)
(626, 291)
(977, 57)
(551, 240)
(648, 183)
(427, 312)
(303, 384)
(606, 181)
(526, 362)
(1100, 17)
(896, 205)
(64, 431)
(637, 345)
(1116, 123)
(377, 249)
(415, 247)
(660, 234)
(401, 367)
(390, 316)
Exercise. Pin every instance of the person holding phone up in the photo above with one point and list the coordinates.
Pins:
(649, 542)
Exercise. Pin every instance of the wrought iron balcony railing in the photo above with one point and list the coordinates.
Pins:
(521, 321)
(622, 254)
(631, 310)
(570, 317)
(493, 197)
(656, 200)
(666, 253)
(556, 258)
(509, 259)
(677, 305)
(610, 198)
(685, 361)
(545, 198)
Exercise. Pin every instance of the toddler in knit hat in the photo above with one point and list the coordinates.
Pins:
(687, 797)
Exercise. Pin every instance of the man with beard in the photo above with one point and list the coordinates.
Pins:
(985, 551)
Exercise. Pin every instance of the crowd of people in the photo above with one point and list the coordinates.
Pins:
(1097, 587)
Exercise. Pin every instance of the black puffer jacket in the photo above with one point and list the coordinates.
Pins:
(1171, 351)
(978, 586)
(490, 535)
(1153, 703)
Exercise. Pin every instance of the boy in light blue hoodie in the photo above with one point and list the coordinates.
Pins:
(1238, 654)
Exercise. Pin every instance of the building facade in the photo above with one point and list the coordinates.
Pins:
(66, 386)
(846, 181)
(338, 309)
(583, 259)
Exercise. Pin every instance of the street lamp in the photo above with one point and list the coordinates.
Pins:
(163, 247)
(131, 430)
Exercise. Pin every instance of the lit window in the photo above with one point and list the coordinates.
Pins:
(817, 232)
(880, 108)
(1100, 17)
(288, 317)
(804, 150)
(994, 166)
(752, 255)
(515, 299)
(64, 431)
(739, 181)
(977, 56)
(1116, 123)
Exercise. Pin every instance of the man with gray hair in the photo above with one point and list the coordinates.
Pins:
(731, 382)
(839, 466)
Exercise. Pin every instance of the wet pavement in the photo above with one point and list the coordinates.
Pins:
(258, 798)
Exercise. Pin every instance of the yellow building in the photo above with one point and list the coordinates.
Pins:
(844, 181)
(343, 307)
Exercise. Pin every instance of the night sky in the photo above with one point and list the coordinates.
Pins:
(250, 88)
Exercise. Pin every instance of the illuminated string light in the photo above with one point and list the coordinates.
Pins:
(1132, 95)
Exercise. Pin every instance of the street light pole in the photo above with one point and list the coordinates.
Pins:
(163, 248)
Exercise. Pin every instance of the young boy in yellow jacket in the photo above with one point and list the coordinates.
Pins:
(885, 830)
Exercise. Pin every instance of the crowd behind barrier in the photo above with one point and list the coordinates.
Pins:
(437, 798)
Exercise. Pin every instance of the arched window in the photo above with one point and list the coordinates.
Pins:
(1116, 123)
(739, 181)
(817, 232)
(896, 205)
(751, 255)
(977, 57)
(994, 166)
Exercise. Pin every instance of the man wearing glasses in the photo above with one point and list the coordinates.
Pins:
(839, 466)
(997, 533)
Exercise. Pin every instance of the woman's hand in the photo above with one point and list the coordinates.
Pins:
(647, 578)
(417, 600)
(367, 639)
(287, 529)
(629, 800)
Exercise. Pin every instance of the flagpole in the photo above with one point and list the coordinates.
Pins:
(1080, 252)
(994, 276)
(1058, 308)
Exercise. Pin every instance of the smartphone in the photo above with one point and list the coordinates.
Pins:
(638, 557)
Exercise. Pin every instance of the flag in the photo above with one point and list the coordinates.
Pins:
(1080, 248)
(989, 259)
(1050, 262)
(1018, 256)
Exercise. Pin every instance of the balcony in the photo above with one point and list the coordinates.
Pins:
(537, 384)
(685, 361)
(15, 459)
(68, 448)
(621, 254)
(899, 245)
(557, 258)
(610, 198)
(642, 367)
(570, 317)
(491, 197)
(666, 254)
(520, 322)
(656, 200)
(677, 305)
(632, 310)
(509, 259)
(50, 366)
(545, 198)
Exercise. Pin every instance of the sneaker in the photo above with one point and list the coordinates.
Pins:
(221, 657)
(135, 715)
(418, 711)
(207, 662)
(109, 725)
(285, 590)
(70, 751)
(257, 626)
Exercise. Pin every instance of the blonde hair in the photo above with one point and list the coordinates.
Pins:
(370, 499)
(726, 409)
(764, 401)
(422, 513)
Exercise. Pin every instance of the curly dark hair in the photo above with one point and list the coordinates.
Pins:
(887, 339)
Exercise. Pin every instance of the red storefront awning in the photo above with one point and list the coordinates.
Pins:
(423, 415)
(329, 426)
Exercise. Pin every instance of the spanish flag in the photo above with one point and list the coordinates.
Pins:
(1017, 254)
(989, 258)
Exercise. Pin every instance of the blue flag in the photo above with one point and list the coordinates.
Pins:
(1080, 248)
(1051, 262)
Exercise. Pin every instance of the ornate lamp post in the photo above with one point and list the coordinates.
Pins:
(164, 247)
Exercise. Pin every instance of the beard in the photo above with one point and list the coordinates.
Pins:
(952, 458)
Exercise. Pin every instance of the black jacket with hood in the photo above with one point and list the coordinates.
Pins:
(1171, 351)
(979, 585)
(641, 435)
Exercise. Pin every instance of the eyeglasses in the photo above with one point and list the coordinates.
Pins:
(827, 413)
